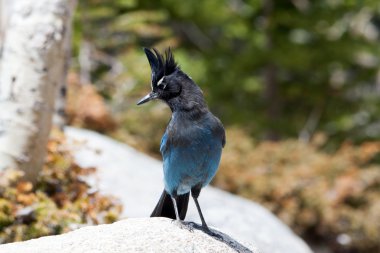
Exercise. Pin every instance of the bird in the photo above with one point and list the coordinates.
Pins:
(192, 144)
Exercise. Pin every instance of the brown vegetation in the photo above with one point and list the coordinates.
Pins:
(86, 108)
(334, 197)
(61, 200)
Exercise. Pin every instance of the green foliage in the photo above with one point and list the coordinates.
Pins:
(60, 201)
(324, 56)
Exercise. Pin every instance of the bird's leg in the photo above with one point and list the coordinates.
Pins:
(195, 194)
(177, 219)
(175, 209)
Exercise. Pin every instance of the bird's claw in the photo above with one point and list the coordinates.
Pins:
(204, 229)
(183, 225)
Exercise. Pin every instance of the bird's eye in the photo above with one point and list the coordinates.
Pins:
(161, 83)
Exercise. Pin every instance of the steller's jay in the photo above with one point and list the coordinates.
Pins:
(192, 144)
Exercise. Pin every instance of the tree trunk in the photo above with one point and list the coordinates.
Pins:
(4, 6)
(59, 117)
(32, 64)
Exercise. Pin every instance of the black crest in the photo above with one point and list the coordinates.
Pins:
(161, 65)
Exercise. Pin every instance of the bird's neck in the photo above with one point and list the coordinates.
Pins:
(190, 102)
(188, 109)
(191, 115)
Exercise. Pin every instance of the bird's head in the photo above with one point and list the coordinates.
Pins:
(169, 83)
(164, 76)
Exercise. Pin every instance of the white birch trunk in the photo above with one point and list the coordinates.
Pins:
(31, 69)
(4, 6)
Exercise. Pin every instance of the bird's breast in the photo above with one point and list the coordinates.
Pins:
(190, 159)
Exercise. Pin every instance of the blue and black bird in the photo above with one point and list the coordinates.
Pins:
(192, 144)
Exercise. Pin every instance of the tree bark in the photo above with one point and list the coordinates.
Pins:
(32, 64)
(4, 10)
(59, 117)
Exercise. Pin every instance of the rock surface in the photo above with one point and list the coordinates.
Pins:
(137, 180)
(130, 235)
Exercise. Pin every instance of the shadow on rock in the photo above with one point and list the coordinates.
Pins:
(217, 235)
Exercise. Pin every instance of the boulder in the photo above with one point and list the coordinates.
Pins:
(131, 235)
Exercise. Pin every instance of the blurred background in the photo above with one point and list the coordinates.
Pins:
(296, 84)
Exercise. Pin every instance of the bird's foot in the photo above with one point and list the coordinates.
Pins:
(183, 225)
(192, 225)
(205, 229)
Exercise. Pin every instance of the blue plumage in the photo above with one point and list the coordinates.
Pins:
(192, 144)
(191, 157)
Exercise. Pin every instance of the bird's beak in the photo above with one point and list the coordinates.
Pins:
(147, 98)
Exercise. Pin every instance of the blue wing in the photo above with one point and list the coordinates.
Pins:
(192, 163)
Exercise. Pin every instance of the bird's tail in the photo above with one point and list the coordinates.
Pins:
(165, 207)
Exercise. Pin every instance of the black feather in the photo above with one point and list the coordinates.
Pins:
(170, 65)
(165, 207)
(160, 65)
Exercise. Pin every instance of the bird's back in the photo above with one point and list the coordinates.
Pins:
(191, 149)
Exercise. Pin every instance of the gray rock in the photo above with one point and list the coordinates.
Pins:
(130, 235)
(137, 180)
